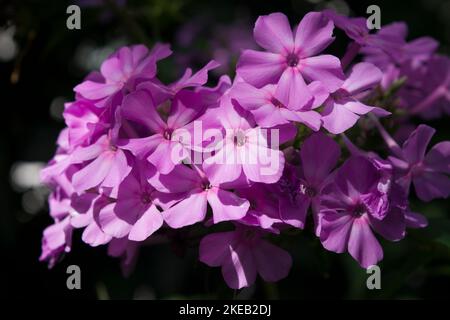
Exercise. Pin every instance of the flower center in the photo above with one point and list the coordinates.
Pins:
(239, 138)
(308, 190)
(417, 169)
(112, 147)
(146, 198)
(360, 209)
(277, 103)
(206, 185)
(292, 60)
(168, 134)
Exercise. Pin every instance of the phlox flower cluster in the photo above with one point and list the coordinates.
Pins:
(247, 159)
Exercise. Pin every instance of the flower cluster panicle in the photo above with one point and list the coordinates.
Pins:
(139, 159)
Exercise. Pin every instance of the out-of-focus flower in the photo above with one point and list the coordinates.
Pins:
(243, 254)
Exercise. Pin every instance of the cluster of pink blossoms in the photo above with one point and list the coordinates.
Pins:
(140, 159)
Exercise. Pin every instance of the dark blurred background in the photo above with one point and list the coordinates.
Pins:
(41, 61)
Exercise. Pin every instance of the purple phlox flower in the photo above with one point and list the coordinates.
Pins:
(348, 220)
(85, 122)
(243, 254)
(301, 185)
(355, 28)
(271, 107)
(384, 41)
(264, 211)
(169, 141)
(127, 251)
(417, 50)
(57, 238)
(171, 135)
(105, 164)
(406, 57)
(197, 190)
(427, 91)
(85, 207)
(133, 213)
(123, 70)
(388, 192)
(343, 109)
(427, 171)
(290, 59)
(243, 148)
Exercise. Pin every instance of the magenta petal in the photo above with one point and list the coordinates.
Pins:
(249, 97)
(146, 225)
(111, 69)
(180, 180)
(94, 173)
(140, 147)
(162, 157)
(414, 148)
(313, 34)
(310, 118)
(364, 76)
(188, 211)
(272, 262)
(268, 116)
(118, 171)
(94, 236)
(111, 224)
(214, 248)
(273, 33)
(292, 90)
(325, 68)
(312, 149)
(138, 106)
(357, 107)
(337, 118)
(392, 227)
(294, 212)
(186, 106)
(81, 154)
(261, 164)
(226, 205)
(201, 76)
(319, 92)
(335, 230)
(431, 185)
(95, 90)
(362, 244)
(260, 68)
(240, 270)
(223, 166)
(415, 220)
(438, 158)
(356, 176)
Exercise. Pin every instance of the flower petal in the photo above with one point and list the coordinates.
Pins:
(226, 205)
(146, 225)
(273, 33)
(272, 262)
(324, 68)
(364, 76)
(188, 211)
(362, 244)
(313, 34)
(260, 68)
(239, 271)
(214, 248)
(312, 149)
